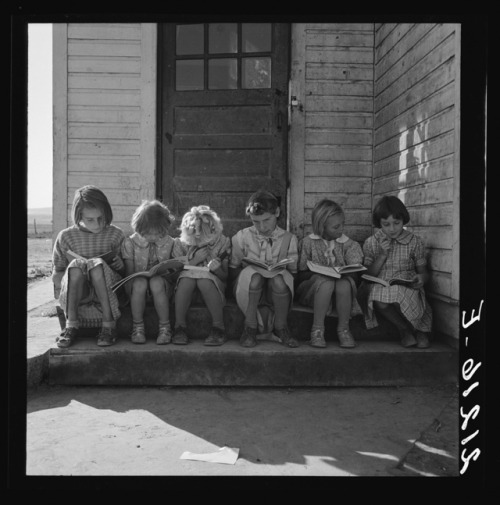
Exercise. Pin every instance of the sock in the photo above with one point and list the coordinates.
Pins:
(137, 323)
(164, 324)
(219, 324)
(253, 302)
(72, 324)
(281, 302)
(109, 324)
(315, 327)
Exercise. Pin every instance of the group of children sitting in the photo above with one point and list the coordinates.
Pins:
(84, 285)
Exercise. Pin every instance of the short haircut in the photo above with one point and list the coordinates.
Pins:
(321, 212)
(389, 206)
(90, 197)
(262, 201)
(152, 216)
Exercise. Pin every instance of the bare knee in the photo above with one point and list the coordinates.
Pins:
(278, 285)
(256, 282)
(97, 273)
(157, 285)
(75, 275)
(343, 287)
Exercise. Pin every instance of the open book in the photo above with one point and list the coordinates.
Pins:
(107, 256)
(270, 268)
(163, 268)
(391, 282)
(336, 272)
(199, 268)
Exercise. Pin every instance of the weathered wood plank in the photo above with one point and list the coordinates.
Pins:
(100, 49)
(435, 148)
(231, 184)
(105, 31)
(199, 141)
(439, 260)
(434, 170)
(351, 72)
(434, 215)
(400, 85)
(446, 317)
(118, 197)
(397, 45)
(435, 237)
(422, 111)
(344, 55)
(337, 185)
(339, 120)
(115, 164)
(104, 114)
(340, 27)
(345, 200)
(104, 181)
(333, 38)
(338, 169)
(103, 131)
(340, 88)
(339, 137)
(382, 31)
(440, 283)
(425, 194)
(339, 104)
(99, 148)
(100, 64)
(320, 153)
(431, 41)
(130, 98)
(434, 126)
(435, 80)
(104, 81)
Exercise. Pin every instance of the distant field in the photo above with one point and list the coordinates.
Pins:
(42, 220)
(39, 243)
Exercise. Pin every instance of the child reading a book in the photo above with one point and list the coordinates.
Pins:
(264, 296)
(146, 247)
(205, 248)
(393, 251)
(83, 285)
(328, 246)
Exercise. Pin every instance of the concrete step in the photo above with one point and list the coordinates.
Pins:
(378, 359)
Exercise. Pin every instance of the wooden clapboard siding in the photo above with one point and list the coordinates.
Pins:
(416, 141)
(333, 69)
(109, 113)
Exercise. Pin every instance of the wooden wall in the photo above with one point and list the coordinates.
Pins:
(105, 110)
(416, 144)
(332, 76)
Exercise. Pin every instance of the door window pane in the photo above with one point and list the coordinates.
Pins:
(188, 75)
(223, 73)
(222, 38)
(189, 39)
(256, 73)
(256, 37)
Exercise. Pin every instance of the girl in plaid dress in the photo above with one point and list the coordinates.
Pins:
(393, 251)
(201, 244)
(148, 245)
(329, 246)
(83, 286)
(264, 297)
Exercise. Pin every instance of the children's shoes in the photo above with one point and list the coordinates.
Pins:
(249, 337)
(138, 335)
(217, 336)
(346, 339)
(407, 338)
(317, 338)
(180, 336)
(422, 340)
(164, 335)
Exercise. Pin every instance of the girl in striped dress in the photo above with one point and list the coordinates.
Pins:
(328, 246)
(393, 251)
(83, 285)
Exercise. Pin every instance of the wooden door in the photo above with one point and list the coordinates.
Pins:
(223, 126)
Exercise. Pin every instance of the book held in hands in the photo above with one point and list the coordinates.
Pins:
(280, 265)
(163, 268)
(390, 282)
(108, 256)
(336, 272)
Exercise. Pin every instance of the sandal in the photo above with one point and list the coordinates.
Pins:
(67, 337)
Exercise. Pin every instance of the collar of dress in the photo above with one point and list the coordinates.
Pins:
(277, 232)
(341, 240)
(404, 237)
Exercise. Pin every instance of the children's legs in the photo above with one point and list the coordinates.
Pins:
(183, 295)
(77, 289)
(212, 300)
(138, 298)
(281, 298)
(254, 294)
(160, 290)
(99, 283)
(322, 299)
(343, 303)
(392, 313)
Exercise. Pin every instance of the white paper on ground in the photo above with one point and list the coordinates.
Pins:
(226, 455)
